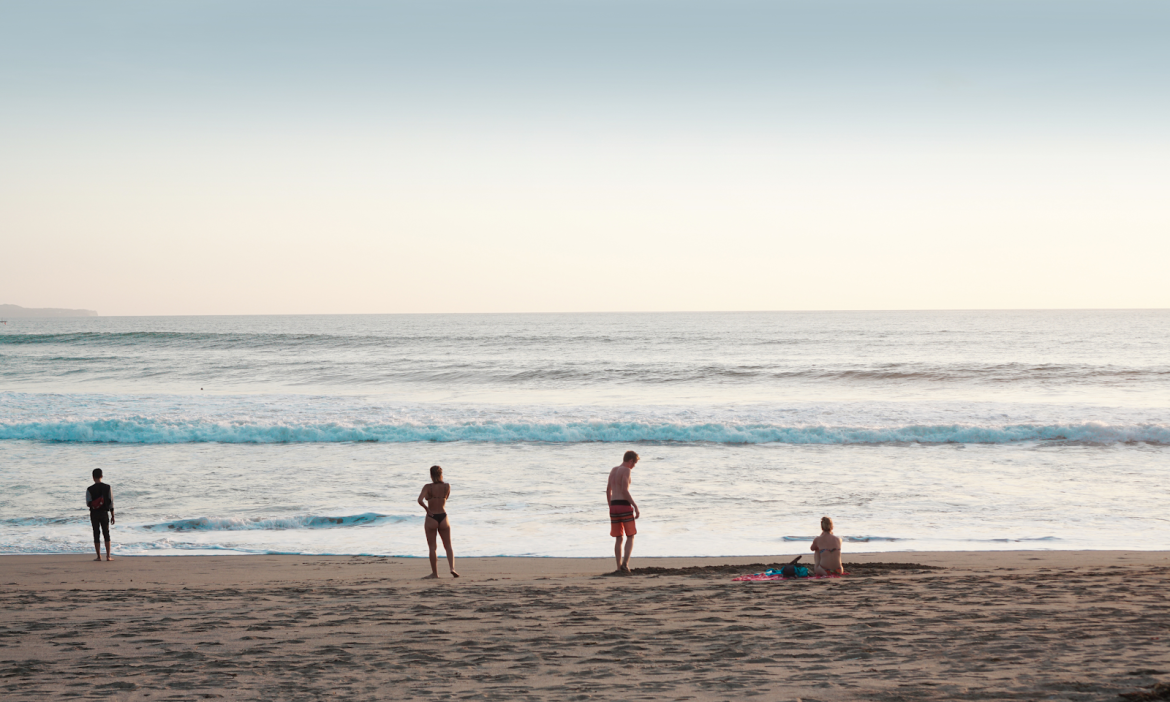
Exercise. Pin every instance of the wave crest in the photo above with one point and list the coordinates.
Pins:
(307, 521)
(143, 430)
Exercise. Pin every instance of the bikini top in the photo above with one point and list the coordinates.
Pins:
(828, 550)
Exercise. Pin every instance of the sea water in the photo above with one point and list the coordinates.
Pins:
(314, 434)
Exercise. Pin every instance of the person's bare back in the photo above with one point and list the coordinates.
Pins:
(619, 484)
(827, 551)
(436, 495)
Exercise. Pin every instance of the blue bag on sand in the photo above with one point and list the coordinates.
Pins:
(789, 571)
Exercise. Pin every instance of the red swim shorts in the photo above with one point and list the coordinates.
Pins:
(621, 519)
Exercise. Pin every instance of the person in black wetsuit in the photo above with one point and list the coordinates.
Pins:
(100, 500)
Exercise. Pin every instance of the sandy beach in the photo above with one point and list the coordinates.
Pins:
(934, 626)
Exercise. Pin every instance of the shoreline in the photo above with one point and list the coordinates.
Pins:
(24, 570)
(900, 554)
(1069, 625)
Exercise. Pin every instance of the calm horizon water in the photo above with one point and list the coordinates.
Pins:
(965, 430)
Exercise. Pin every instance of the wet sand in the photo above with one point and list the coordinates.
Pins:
(1017, 625)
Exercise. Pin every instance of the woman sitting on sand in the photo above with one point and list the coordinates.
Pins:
(827, 551)
(436, 493)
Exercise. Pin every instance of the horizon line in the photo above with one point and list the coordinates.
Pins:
(592, 312)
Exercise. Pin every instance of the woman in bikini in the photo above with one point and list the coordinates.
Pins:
(827, 550)
(436, 493)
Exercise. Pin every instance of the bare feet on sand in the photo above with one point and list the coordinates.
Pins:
(432, 576)
(454, 574)
(108, 558)
(98, 559)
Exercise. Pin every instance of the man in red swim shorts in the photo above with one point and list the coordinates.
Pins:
(622, 510)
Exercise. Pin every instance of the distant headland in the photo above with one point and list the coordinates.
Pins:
(12, 311)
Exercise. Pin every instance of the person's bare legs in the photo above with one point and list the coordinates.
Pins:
(625, 566)
(97, 548)
(432, 532)
(445, 532)
(108, 556)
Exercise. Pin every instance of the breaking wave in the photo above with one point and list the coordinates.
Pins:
(846, 539)
(144, 430)
(272, 523)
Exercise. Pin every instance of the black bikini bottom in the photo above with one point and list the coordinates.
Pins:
(438, 517)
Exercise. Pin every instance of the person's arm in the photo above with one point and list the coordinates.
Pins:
(813, 548)
(88, 498)
(608, 493)
(629, 481)
(420, 498)
(110, 493)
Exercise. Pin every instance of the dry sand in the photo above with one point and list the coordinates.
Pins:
(986, 626)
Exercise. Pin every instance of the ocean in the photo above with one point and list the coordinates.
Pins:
(964, 430)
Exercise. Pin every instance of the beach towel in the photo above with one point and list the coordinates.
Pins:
(759, 577)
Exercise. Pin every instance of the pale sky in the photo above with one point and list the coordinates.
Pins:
(244, 157)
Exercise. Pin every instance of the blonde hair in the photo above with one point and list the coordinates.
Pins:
(436, 473)
(826, 524)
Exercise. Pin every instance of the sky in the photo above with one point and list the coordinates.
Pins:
(290, 157)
